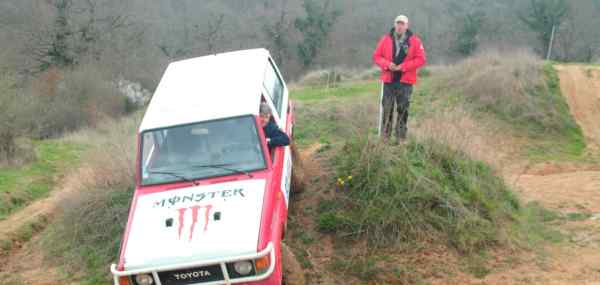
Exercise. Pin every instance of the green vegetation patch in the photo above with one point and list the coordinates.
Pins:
(21, 185)
(351, 89)
(422, 191)
(565, 139)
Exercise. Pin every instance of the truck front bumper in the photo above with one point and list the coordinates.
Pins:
(226, 280)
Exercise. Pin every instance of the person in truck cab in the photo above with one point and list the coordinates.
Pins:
(275, 136)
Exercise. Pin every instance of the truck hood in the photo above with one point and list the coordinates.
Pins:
(195, 224)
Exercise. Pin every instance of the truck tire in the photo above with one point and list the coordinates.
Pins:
(292, 271)
(298, 173)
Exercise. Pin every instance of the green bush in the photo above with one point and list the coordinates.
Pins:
(421, 191)
(424, 72)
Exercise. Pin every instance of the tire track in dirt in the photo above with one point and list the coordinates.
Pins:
(581, 87)
(317, 255)
(567, 188)
(25, 262)
(572, 187)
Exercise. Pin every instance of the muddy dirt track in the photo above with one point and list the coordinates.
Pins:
(566, 188)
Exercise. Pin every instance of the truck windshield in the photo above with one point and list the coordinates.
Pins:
(201, 150)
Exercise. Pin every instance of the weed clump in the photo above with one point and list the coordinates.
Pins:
(423, 191)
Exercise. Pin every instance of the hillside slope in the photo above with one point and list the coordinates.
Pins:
(570, 190)
(565, 185)
(581, 87)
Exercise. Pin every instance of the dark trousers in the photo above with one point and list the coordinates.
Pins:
(397, 94)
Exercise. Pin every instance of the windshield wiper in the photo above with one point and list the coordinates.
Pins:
(176, 175)
(224, 167)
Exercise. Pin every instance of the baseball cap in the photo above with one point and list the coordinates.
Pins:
(401, 18)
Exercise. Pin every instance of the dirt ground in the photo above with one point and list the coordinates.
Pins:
(568, 188)
(581, 87)
(26, 263)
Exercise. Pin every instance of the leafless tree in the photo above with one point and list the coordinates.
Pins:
(212, 33)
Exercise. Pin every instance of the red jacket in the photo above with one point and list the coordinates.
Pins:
(415, 58)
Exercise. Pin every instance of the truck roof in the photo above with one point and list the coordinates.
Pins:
(207, 88)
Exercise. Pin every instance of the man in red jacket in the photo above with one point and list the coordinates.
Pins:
(399, 54)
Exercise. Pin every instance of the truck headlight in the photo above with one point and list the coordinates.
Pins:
(144, 279)
(243, 267)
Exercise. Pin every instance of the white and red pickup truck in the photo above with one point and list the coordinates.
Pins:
(211, 198)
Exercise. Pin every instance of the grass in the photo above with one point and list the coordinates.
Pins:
(89, 247)
(566, 142)
(344, 90)
(86, 237)
(425, 189)
(522, 93)
(381, 268)
(328, 116)
(23, 234)
(422, 194)
(21, 185)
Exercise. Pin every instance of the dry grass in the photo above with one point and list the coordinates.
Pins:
(325, 77)
(517, 87)
(492, 74)
(519, 92)
(331, 121)
(484, 140)
(331, 77)
(87, 233)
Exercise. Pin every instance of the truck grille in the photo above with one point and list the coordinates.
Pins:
(192, 276)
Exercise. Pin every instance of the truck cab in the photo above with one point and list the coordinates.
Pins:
(211, 198)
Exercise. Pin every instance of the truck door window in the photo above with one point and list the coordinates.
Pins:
(274, 86)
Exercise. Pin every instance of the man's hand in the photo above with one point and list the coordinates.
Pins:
(394, 67)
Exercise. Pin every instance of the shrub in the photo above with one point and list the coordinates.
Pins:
(7, 118)
(8, 147)
(421, 192)
(323, 77)
(12, 150)
(424, 72)
(83, 97)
